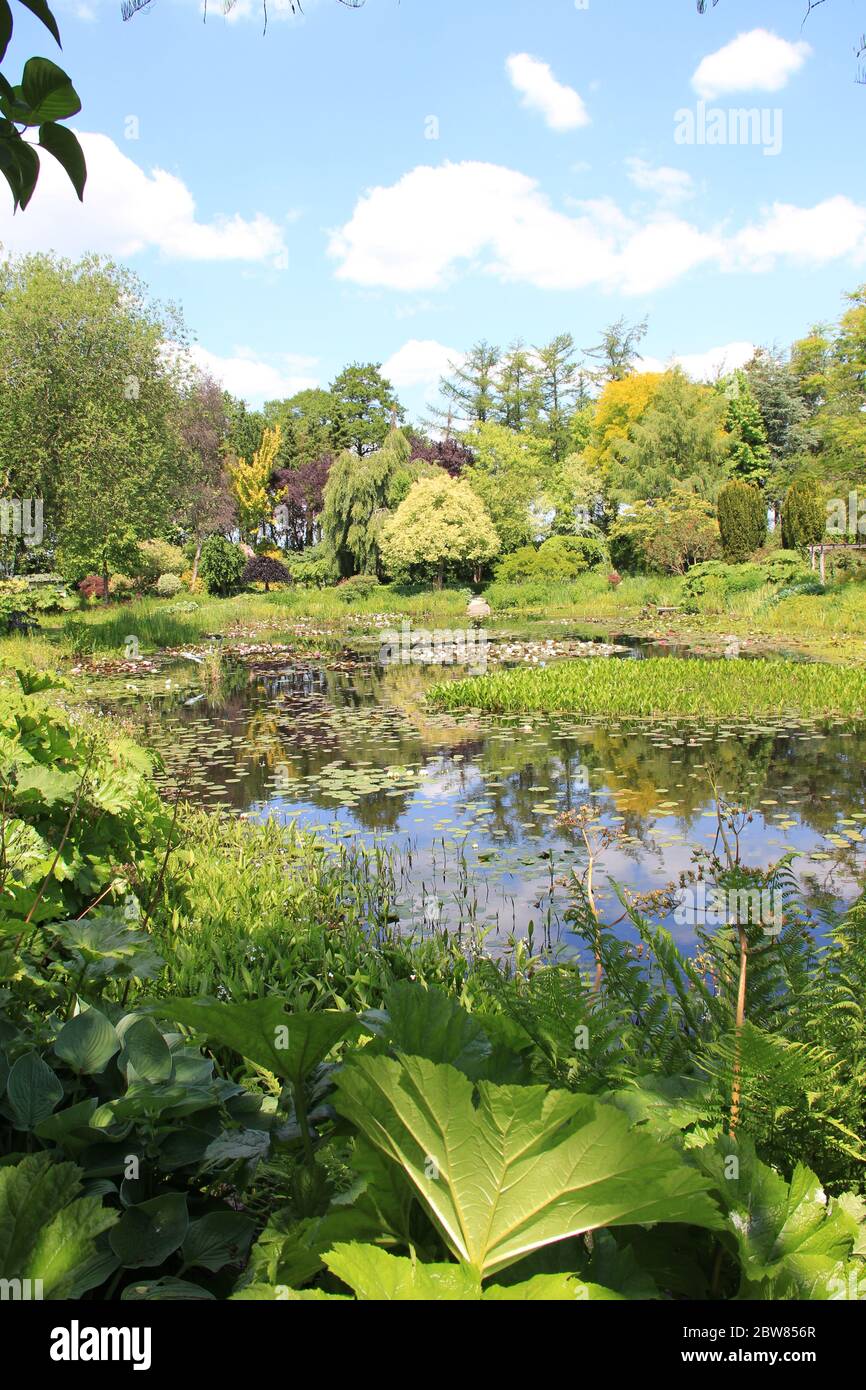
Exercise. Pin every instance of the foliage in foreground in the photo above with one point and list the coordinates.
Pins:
(658, 685)
(525, 1133)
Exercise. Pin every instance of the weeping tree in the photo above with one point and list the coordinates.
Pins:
(360, 488)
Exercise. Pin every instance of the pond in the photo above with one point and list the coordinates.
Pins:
(467, 807)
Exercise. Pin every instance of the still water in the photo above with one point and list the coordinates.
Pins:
(468, 806)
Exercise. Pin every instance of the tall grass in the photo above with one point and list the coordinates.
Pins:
(660, 686)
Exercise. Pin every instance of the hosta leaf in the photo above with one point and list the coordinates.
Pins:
(34, 1092)
(524, 1168)
(166, 1290)
(146, 1052)
(47, 1231)
(220, 1238)
(148, 1233)
(87, 1042)
(289, 1045)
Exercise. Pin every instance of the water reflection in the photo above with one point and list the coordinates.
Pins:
(469, 805)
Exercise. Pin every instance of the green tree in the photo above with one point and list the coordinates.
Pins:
(440, 525)
(89, 401)
(804, 515)
(365, 408)
(360, 492)
(469, 394)
(742, 516)
(559, 385)
(506, 474)
(750, 451)
(841, 419)
(519, 391)
(221, 566)
(618, 352)
(679, 440)
(307, 422)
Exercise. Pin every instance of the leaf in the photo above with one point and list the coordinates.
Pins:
(289, 1045)
(374, 1274)
(41, 11)
(220, 1238)
(524, 1168)
(427, 1023)
(47, 1231)
(33, 1090)
(165, 1290)
(151, 1231)
(46, 93)
(87, 1042)
(792, 1241)
(63, 144)
(146, 1052)
(5, 27)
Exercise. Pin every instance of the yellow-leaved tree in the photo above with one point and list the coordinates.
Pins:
(250, 483)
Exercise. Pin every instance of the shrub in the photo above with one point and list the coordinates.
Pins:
(783, 567)
(742, 517)
(159, 557)
(168, 585)
(221, 566)
(92, 586)
(804, 516)
(121, 586)
(17, 608)
(360, 586)
(614, 579)
(665, 537)
(195, 586)
(558, 559)
(317, 565)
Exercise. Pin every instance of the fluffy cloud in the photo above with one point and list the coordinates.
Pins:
(254, 380)
(419, 362)
(561, 106)
(417, 233)
(704, 366)
(755, 62)
(126, 210)
(666, 184)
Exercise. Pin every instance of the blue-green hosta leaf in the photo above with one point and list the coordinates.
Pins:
(47, 1230)
(87, 1042)
(146, 1055)
(165, 1290)
(220, 1238)
(148, 1233)
(289, 1045)
(33, 1091)
(522, 1169)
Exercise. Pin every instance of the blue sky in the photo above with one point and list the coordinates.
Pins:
(285, 190)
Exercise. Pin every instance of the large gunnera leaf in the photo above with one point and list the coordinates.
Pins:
(522, 1169)
(48, 1231)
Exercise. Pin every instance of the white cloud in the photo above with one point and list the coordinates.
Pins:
(704, 366)
(754, 62)
(419, 362)
(254, 380)
(419, 232)
(562, 107)
(126, 210)
(667, 184)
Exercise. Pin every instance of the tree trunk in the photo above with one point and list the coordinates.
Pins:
(105, 581)
(195, 565)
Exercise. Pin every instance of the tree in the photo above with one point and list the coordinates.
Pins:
(360, 491)
(89, 401)
(441, 524)
(470, 392)
(679, 440)
(666, 535)
(804, 516)
(519, 393)
(558, 388)
(750, 452)
(841, 419)
(742, 517)
(365, 408)
(44, 97)
(300, 497)
(785, 417)
(449, 454)
(617, 354)
(262, 569)
(222, 565)
(251, 483)
(615, 416)
(506, 474)
(307, 422)
(207, 504)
